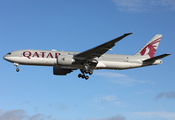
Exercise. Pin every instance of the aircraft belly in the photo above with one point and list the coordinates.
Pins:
(116, 65)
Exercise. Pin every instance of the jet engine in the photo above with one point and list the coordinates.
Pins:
(61, 71)
(65, 60)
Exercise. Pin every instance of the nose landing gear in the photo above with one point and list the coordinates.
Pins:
(17, 65)
(17, 69)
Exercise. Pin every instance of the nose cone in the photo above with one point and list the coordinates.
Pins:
(5, 57)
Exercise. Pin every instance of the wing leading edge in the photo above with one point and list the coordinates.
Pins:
(99, 50)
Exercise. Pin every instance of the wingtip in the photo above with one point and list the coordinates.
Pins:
(128, 33)
(168, 53)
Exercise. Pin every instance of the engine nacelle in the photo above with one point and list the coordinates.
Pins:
(61, 71)
(65, 60)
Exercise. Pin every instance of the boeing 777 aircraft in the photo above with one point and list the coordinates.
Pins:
(65, 62)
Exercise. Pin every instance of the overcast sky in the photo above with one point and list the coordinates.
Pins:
(77, 25)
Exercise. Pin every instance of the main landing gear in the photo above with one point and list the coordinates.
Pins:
(87, 69)
(83, 75)
(17, 67)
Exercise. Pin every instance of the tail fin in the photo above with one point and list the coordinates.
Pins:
(150, 48)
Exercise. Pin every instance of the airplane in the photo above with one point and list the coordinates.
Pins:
(64, 62)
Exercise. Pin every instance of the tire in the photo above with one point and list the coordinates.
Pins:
(17, 70)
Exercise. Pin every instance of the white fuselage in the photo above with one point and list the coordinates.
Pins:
(49, 58)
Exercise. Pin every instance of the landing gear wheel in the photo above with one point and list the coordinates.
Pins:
(80, 75)
(17, 69)
(83, 76)
(86, 77)
(90, 72)
(85, 71)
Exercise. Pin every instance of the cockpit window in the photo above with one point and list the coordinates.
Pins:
(8, 53)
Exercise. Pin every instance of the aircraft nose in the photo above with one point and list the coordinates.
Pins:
(5, 57)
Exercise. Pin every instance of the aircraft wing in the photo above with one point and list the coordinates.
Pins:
(99, 50)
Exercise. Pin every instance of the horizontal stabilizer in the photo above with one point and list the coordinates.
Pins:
(156, 58)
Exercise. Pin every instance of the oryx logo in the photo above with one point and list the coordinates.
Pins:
(63, 59)
(151, 48)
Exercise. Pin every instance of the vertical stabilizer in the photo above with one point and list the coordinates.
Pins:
(150, 48)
